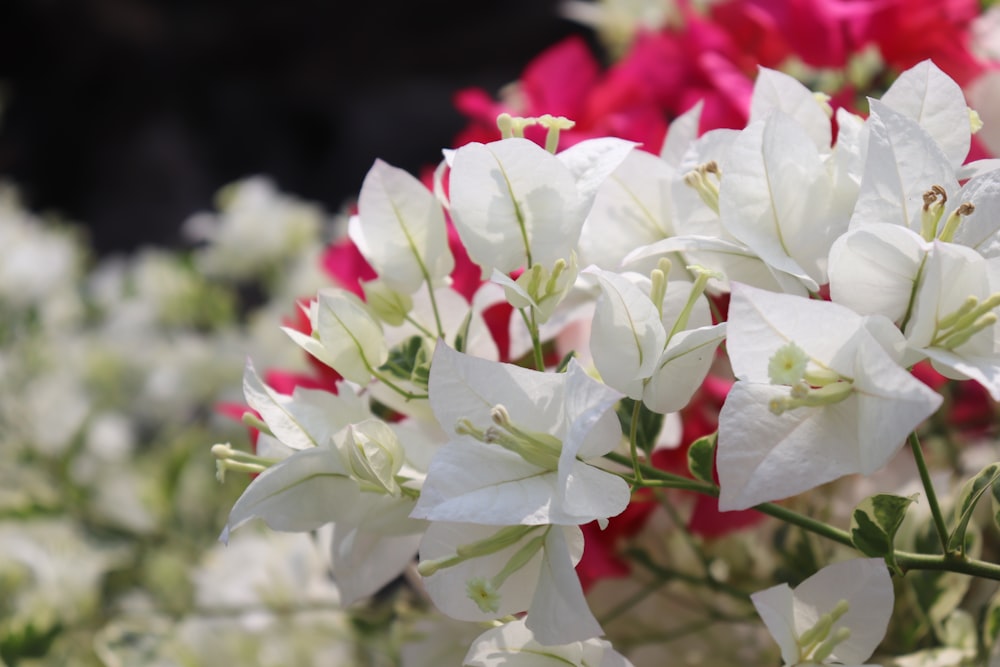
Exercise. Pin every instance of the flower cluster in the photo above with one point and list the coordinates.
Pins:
(108, 512)
(482, 463)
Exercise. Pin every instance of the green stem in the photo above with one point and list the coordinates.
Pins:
(633, 442)
(536, 343)
(925, 478)
(948, 562)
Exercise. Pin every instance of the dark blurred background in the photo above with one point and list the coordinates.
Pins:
(128, 115)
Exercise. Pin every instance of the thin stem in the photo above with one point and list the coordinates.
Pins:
(689, 539)
(408, 395)
(948, 562)
(925, 478)
(434, 305)
(420, 327)
(643, 559)
(633, 444)
(536, 343)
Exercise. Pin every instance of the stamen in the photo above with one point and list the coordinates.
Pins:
(951, 224)
(707, 188)
(930, 216)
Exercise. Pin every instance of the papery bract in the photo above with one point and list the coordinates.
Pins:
(514, 645)
(860, 589)
(512, 200)
(627, 337)
(546, 585)
(930, 97)
(775, 196)
(347, 338)
(400, 229)
(472, 481)
(902, 163)
(764, 456)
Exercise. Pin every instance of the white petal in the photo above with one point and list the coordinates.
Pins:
(364, 562)
(777, 91)
(465, 387)
(760, 322)
(980, 229)
(682, 368)
(400, 229)
(931, 98)
(352, 338)
(559, 613)
(304, 491)
(447, 587)
(682, 132)
(632, 209)
(591, 162)
(866, 585)
(902, 163)
(475, 483)
(775, 198)
(763, 457)
(776, 607)
(627, 337)
(510, 192)
(891, 403)
(874, 268)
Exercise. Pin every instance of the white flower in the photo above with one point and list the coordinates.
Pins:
(849, 414)
(954, 319)
(514, 645)
(837, 616)
(522, 439)
(480, 573)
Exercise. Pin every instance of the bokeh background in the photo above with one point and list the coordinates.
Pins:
(128, 115)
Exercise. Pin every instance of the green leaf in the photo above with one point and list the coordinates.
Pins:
(463, 333)
(648, 427)
(410, 360)
(874, 523)
(995, 502)
(988, 477)
(991, 622)
(701, 458)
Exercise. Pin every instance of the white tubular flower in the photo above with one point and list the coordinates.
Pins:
(849, 413)
(345, 335)
(400, 229)
(837, 616)
(522, 439)
(481, 573)
(540, 287)
(514, 645)
(514, 204)
(954, 319)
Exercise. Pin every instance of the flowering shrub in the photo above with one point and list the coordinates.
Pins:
(470, 471)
